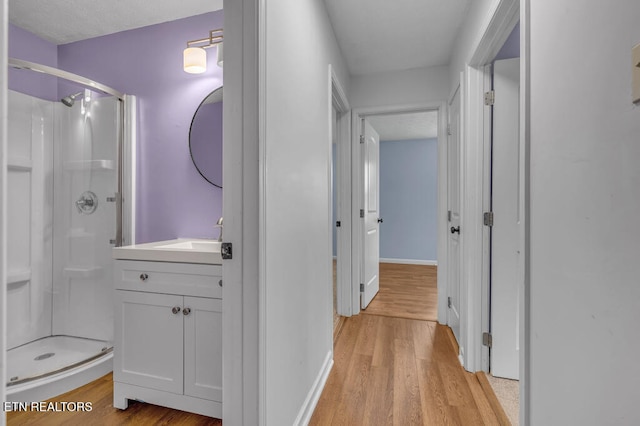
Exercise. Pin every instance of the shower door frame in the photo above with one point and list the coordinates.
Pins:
(125, 211)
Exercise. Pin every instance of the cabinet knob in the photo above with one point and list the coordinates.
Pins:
(144, 277)
(175, 309)
(186, 311)
(220, 283)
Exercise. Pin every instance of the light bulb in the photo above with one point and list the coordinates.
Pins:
(195, 60)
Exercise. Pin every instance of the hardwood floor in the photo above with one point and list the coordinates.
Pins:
(396, 371)
(100, 394)
(406, 291)
(393, 367)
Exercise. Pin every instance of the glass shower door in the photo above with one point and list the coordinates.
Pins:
(85, 187)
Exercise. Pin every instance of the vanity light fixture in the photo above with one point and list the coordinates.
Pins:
(195, 56)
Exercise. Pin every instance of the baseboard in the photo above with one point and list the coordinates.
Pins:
(304, 416)
(409, 261)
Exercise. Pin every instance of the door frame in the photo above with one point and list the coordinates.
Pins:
(340, 102)
(356, 186)
(500, 22)
(3, 201)
(444, 269)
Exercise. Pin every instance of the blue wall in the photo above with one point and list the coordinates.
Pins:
(409, 199)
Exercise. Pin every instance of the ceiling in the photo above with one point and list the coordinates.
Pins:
(398, 127)
(373, 35)
(66, 21)
(383, 35)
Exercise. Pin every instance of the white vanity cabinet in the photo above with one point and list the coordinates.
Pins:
(168, 335)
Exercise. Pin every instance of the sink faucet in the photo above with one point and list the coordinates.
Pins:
(219, 225)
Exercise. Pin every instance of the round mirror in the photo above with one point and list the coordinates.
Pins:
(205, 138)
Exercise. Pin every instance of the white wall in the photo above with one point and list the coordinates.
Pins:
(414, 86)
(296, 189)
(584, 179)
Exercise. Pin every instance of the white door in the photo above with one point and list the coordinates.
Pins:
(453, 195)
(505, 231)
(371, 222)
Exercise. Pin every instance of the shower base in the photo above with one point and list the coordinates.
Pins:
(53, 365)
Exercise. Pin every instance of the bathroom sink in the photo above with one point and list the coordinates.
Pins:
(202, 245)
(187, 250)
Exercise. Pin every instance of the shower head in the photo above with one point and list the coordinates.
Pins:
(69, 100)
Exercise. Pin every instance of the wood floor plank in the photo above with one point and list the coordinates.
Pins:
(406, 390)
(100, 394)
(406, 291)
(489, 416)
(492, 399)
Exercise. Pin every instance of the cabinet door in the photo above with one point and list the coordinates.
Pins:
(148, 340)
(203, 348)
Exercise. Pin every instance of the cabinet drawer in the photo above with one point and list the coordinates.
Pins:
(187, 279)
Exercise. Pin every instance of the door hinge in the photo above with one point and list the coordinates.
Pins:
(226, 250)
(487, 340)
(489, 97)
(488, 218)
(361, 287)
(361, 138)
(361, 212)
(338, 224)
(448, 302)
(449, 216)
(448, 129)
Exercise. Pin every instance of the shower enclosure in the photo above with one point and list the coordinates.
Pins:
(65, 136)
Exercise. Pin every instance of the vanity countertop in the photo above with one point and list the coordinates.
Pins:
(184, 250)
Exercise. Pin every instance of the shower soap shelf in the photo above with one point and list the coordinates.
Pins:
(17, 277)
(90, 165)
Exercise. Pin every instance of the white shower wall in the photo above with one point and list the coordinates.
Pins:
(29, 218)
(59, 260)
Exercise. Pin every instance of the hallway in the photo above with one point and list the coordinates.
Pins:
(400, 371)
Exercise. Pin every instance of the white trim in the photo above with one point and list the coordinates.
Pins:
(3, 200)
(310, 402)
(409, 261)
(357, 184)
(486, 231)
(261, 208)
(500, 23)
(343, 197)
(525, 152)
(471, 223)
(356, 203)
(242, 334)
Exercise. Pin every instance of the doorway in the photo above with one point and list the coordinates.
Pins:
(410, 213)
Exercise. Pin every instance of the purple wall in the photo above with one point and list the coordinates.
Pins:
(173, 199)
(29, 47)
(511, 47)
